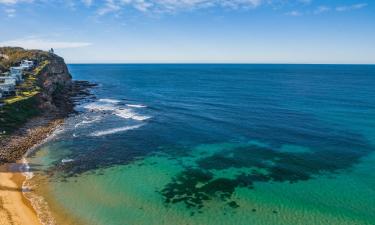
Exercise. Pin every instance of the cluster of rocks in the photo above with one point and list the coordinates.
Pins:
(13, 147)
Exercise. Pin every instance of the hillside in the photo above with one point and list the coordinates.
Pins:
(11, 56)
(45, 89)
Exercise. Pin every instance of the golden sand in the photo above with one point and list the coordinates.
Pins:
(15, 209)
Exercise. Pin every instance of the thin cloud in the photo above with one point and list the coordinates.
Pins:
(87, 2)
(351, 7)
(322, 9)
(109, 7)
(12, 2)
(294, 13)
(305, 1)
(35, 43)
(10, 12)
(171, 6)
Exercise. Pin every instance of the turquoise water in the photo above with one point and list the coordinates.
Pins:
(214, 144)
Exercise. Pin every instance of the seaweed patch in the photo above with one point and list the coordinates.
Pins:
(195, 186)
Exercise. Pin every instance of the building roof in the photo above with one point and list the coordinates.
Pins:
(16, 67)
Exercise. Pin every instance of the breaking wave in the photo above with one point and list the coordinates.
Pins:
(100, 107)
(67, 161)
(115, 130)
(111, 106)
(129, 114)
(136, 106)
(113, 101)
(93, 120)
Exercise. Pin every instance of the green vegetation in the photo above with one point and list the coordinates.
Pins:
(16, 114)
(16, 55)
(21, 107)
(29, 87)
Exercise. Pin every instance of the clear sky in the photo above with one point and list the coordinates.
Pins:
(243, 31)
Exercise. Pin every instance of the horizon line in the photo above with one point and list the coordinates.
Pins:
(218, 63)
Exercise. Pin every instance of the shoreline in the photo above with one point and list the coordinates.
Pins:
(16, 145)
(15, 208)
(28, 120)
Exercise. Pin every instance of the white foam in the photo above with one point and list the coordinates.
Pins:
(26, 169)
(38, 203)
(107, 100)
(83, 122)
(100, 107)
(124, 113)
(129, 114)
(115, 130)
(109, 105)
(140, 118)
(67, 160)
(136, 106)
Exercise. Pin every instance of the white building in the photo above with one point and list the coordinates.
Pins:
(27, 64)
(16, 72)
(8, 81)
(7, 85)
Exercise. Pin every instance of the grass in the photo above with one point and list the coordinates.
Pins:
(28, 88)
(18, 109)
(15, 55)
(14, 115)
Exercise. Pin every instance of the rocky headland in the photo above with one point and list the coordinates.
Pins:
(29, 119)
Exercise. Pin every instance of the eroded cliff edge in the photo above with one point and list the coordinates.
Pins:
(45, 97)
(56, 86)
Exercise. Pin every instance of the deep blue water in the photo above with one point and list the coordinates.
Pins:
(276, 104)
(222, 129)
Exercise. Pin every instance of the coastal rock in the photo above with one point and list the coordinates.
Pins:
(56, 84)
(57, 94)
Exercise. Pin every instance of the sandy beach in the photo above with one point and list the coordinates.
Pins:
(14, 207)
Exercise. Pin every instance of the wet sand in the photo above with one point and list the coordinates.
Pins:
(15, 209)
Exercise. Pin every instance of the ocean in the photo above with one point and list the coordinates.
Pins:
(201, 144)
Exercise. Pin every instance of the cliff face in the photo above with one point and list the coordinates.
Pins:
(46, 90)
(43, 100)
(51, 78)
(55, 84)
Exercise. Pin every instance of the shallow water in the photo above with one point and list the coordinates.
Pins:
(214, 144)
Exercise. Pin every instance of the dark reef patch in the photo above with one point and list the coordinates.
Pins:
(196, 185)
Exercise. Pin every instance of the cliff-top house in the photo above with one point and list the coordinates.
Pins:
(16, 72)
(7, 85)
(9, 80)
(27, 64)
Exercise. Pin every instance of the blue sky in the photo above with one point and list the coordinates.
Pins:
(243, 31)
